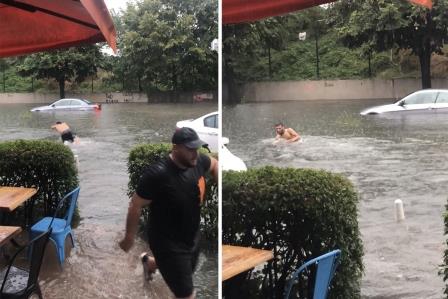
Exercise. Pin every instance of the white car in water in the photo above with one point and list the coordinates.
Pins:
(229, 161)
(68, 105)
(422, 100)
(207, 128)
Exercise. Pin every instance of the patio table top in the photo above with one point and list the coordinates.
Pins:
(7, 232)
(12, 197)
(237, 259)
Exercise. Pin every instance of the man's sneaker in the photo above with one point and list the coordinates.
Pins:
(144, 257)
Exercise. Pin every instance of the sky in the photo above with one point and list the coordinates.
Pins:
(116, 4)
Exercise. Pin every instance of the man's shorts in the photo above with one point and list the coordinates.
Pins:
(177, 271)
(67, 135)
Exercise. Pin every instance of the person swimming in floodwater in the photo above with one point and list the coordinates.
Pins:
(66, 132)
(287, 134)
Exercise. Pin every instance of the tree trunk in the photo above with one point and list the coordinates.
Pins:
(270, 64)
(425, 64)
(317, 57)
(61, 82)
(174, 77)
(229, 77)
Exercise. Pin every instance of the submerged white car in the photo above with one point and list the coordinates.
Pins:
(207, 128)
(229, 161)
(69, 104)
(427, 99)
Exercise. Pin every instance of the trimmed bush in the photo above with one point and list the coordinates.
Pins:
(143, 155)
(46, 165)
(444, 267)
(299, 214)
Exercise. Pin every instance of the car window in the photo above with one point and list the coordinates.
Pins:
(86, 101)
(211, 121)
(76, 103)
(62, 103)
(420, 98)
(443, 97)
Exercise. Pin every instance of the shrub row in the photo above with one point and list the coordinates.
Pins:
(299, 214)
(46, 165)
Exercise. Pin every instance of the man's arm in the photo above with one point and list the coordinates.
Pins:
(214, 168)
(135, 208)
(277, 139)
(294, 135)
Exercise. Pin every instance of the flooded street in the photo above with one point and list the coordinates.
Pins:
(386, 158)
(97, 267)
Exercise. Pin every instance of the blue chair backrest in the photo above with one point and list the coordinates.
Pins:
(72, 196)
(326, 266)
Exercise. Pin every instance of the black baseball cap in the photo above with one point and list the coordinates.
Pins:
(188, 137)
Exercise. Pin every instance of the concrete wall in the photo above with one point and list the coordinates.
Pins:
(114, 97)
(332, 89)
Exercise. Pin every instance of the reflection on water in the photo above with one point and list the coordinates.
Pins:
(386, 157)
(96, 267)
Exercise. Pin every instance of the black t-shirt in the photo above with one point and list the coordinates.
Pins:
(176, 196)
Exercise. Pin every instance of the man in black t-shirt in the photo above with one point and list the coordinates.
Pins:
(175, 188)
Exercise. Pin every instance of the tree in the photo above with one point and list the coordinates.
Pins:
(388, 24)
(247, 48)
(3, 67)
(73, 64)
(166, 44)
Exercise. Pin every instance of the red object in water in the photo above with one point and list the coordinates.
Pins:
(239, 11)
(28, 26)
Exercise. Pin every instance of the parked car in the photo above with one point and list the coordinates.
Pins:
(229, 161)
(69, 104)
(427, 99)
(207, 128)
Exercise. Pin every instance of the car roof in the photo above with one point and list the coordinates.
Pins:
(431, 90)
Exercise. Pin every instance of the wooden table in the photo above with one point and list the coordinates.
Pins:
(7, 232)
(236, 259)
(12, 197)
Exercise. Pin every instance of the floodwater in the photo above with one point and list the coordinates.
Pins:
(387, 157)
(97, 267)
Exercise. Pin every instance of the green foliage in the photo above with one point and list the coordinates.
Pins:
(444, 266)
(165, 45)
(386, 24)
(143, 155)
(298, 214)
(248, 48)
(72, 65)
(46, 165)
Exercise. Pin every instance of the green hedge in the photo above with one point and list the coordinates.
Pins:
(46, 165)
(299, 214)
(444, 267)
(143, 155)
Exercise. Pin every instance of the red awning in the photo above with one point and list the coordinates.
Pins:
(426, 3)
(239, 11)
(28, 26)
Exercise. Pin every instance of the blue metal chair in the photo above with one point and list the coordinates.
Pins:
(325, 267)
(61, 227)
